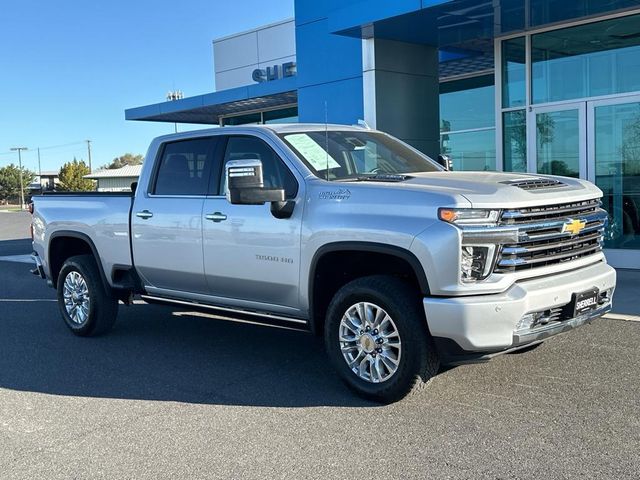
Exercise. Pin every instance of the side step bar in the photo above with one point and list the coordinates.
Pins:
(236, 315)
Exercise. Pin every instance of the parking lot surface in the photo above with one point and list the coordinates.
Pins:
(173, 394)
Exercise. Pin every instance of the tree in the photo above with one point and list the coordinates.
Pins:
(71, 177)
(515, 136)
(10, 182)
(124, 160)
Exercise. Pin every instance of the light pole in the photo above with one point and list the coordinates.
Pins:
(175, 95)
(19, 150)
(89, 153)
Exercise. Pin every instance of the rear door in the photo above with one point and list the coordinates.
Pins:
(252, 258)
(167, 218)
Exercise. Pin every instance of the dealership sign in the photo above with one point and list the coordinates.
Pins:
(287, 69)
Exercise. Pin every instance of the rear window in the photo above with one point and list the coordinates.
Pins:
(185, 167)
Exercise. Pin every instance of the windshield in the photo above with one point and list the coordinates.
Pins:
(351, 155)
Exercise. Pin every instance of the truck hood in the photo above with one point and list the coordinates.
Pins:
(497, 189)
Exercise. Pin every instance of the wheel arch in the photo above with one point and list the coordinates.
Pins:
(400, 257)
(79, 244)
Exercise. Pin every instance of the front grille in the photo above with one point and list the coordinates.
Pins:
(544, 239)
(550, 212)
(536, 184)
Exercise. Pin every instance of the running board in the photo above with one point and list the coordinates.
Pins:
(232, 314)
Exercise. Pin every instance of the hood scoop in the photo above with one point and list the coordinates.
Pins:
(535, 184)
(385, 177)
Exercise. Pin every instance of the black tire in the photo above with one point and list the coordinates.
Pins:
(419, 360)
(103, 307)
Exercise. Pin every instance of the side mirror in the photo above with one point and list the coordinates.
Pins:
(445, 161)
(245, 184)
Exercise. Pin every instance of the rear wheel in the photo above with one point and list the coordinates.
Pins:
(376, 338)
(87, 309)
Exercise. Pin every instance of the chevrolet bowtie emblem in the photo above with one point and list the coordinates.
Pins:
(574, 227)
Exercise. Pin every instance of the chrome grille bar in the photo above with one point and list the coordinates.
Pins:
(542, 236)
(553, 211)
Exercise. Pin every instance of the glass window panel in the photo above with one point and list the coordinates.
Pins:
(617, 161)
(600, 58)
(248, 119)
(470, 150)
(285, 115)
(512, 16)
(466, 104)
(514, 144)
(558, 143)
(551, 11)
(184, 167)
(513, 72)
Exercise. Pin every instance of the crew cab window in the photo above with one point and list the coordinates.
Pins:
(185, 167)
(276, 174)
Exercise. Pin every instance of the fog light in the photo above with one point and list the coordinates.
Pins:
(526, 322)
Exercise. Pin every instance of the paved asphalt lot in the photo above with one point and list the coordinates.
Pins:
(173, 395)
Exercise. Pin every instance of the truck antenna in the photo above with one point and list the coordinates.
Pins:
(326, 137)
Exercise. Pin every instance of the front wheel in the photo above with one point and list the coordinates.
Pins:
(377, 339)
(86, 308)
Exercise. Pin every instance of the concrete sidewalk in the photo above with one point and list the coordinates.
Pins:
(626, 299)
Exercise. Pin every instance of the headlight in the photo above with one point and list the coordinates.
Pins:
(476, 262)
(467, 216)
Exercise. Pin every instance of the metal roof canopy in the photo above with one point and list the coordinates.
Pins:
(210, 107)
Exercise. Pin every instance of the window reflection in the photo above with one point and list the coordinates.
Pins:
(514, 144)
(600, 58)
(617, 130)
(558, 143)
(470, 150)
(513, 72)
(467, 104)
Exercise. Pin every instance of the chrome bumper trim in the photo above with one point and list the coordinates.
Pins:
(524, 338)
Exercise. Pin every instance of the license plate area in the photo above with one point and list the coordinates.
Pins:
(583, 302)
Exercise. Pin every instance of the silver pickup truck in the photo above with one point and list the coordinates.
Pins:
(345, 231)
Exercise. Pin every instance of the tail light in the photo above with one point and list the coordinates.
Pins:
(31, 210)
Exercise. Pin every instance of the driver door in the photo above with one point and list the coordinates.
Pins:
(252, 258)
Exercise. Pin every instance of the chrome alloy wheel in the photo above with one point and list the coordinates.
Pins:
(370, 342)
(76, 297)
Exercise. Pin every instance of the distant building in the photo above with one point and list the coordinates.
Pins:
(45, 182)
(116, 179)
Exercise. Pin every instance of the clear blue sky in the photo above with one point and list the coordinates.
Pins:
(69, 69)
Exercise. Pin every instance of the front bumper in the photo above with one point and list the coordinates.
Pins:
(483, 325)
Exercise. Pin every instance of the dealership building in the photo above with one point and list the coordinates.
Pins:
(540, 86)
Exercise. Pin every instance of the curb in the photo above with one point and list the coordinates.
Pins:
(624, 317)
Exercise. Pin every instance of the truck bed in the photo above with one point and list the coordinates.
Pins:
(101, 217)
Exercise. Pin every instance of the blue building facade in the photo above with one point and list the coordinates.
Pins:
(539, 86)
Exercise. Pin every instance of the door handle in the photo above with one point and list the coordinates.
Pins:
(144, 214)
(216, 217)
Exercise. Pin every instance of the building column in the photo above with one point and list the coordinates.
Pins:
(401, 91)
